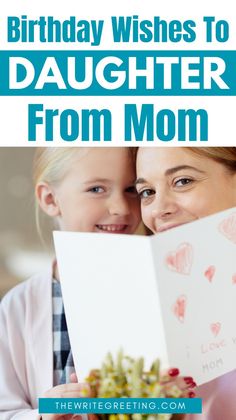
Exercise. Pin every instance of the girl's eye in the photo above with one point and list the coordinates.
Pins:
(182, 182)
(96, 190)
(148, 192)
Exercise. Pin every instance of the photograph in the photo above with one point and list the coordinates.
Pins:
(105, 194)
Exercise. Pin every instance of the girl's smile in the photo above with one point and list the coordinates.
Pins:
(114, 228)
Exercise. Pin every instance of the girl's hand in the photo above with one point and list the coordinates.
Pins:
(72, 390)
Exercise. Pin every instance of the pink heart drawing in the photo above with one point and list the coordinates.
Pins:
(179, 307)
(234, 278)
(181, 260)
(228, 228)
(210, 272)
(215, 328)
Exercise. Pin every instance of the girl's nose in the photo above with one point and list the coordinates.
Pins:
(119, 205)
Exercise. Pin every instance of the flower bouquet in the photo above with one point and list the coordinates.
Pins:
(125, 377)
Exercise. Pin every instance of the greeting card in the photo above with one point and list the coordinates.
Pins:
(170, 296)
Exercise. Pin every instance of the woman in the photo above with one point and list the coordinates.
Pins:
(177, 186)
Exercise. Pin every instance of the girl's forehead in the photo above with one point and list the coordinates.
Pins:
(104, 153)
(110, 160)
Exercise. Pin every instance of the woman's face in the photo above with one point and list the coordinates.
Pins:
(177, 186)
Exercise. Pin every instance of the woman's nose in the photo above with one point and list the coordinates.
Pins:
(164, 206)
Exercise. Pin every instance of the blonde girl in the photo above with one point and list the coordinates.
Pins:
(89, 190)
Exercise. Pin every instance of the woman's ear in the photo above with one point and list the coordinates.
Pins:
(47, 200)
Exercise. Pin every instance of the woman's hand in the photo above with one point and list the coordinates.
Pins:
(185, 383)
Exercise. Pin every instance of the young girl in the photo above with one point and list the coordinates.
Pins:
(88, 190)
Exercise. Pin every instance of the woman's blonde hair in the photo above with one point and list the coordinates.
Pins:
(224, 155)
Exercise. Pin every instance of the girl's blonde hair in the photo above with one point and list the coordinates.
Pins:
(51, 165)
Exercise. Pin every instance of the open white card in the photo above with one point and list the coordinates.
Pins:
(171, 296)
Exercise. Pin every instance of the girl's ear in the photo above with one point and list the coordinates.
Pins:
(47, 200)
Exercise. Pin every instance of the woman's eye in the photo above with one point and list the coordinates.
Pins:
(182, 182)
(131, 190)
(146, 193)
(96, 190)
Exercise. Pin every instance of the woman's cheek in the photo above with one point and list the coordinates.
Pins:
(146, 216)
(200, 206)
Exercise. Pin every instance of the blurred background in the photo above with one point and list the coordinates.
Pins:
(21, 250)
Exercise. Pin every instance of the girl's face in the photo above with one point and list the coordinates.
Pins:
(98, 193)
(176, 187)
